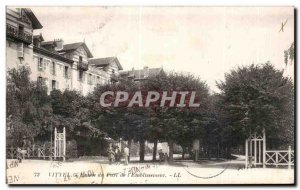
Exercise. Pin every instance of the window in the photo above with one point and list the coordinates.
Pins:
(89, 79)
(54, 85)
(40, 79)
(53, 67)
(80, 59)
(40, 64)
(80, 76)
(66, 72)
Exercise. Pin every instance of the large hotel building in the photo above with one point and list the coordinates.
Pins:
(61, 66)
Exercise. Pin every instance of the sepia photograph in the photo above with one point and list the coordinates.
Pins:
(150, 95)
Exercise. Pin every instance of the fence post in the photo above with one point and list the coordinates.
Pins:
(33, 146)
(276, 155)
(28, 152)
(39, 152)
(264, 148)
(290, 157)
(44, 149)
(12, 152)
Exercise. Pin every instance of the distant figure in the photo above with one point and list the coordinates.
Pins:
(23, 150)
(126, 155)
(166, 157)
(21, 154)
(111, 155)
(161, 155)
(118, 154)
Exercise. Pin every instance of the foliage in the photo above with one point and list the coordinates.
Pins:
(254, 98)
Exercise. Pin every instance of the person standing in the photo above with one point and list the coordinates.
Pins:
(118, 155)
(126, 155)
(111, 155)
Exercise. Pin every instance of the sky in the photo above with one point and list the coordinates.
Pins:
(205, 41)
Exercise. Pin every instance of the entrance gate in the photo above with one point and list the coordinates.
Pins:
(60, 144)
(41, 151)
(257, 155)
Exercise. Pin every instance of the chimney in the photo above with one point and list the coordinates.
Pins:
(59, 44)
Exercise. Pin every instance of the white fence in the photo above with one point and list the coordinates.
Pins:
(257, 155)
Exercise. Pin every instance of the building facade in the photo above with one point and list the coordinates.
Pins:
(20, 24)
(61, 66)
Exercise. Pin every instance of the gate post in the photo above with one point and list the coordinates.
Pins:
(255, 151)
(264, 148)
(246, 153)
(55, 133)
(64, 143)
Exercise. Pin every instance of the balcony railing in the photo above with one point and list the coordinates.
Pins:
(83, 66)
(13, 32)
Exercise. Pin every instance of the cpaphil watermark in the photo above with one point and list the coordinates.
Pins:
(149, 98)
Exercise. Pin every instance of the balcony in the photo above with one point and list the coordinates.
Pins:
(13, 32)
(114, 77)
(83, 66)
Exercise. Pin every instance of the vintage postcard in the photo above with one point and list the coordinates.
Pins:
(150, 95)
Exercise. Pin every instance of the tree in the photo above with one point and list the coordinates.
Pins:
(175, 124)
(289, 54)
(27, 105)
(253, 98)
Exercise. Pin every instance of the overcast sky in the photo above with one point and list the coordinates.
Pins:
(205, 41)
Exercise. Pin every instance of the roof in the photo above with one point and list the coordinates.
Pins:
(139, 74)
(48, 43)
(53, 54)
(35, 22)
(40, 36)
(74, 46)
(103, 62)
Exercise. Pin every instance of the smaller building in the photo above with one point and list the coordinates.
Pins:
(141, 74)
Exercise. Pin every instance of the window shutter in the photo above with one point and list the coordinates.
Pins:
(69, 73)
(20, 50)
(83, 77)
(57, 85)
(51, 69)
(40, 64)
(44, 65)
(46, 81)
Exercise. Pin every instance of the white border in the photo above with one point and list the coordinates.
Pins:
(4, 3)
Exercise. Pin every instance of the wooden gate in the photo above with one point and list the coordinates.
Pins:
(60, 144)
(257, 155)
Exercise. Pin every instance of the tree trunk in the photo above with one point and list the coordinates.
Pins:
(183, 153)
(171, 151)
(142, 150)
(129, 147)
(154, 150)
